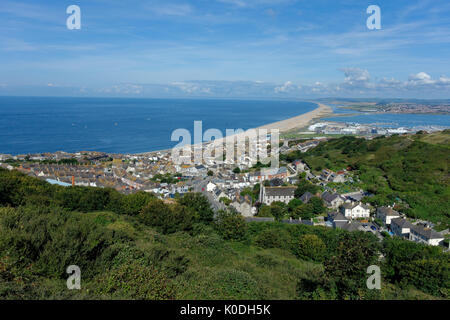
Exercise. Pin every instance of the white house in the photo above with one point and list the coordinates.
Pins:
(425, 235)
(273, 194)
(401, 227)
(332, 200)
(355, 210)
(210, 187)
(386, 214)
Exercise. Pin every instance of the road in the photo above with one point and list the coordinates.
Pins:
(200, 186)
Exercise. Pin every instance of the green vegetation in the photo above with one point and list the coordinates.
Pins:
(411, 171)
(166, 178)
(139, 247)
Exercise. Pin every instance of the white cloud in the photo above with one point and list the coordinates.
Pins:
(420, 79)
(286, 87)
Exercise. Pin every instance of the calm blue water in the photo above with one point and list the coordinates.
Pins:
(391, 120)
(397, 120)
(34, 125)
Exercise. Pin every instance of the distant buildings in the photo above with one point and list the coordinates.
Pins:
(386, 214)
(273, 194)
(401, 227)
(425, 235)
(418, 233)
(355, 210)
(340, 128)
(332, 200)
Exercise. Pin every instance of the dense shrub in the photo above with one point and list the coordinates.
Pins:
(199, 205)
(135, 281)
(347, 269)
(167, 218)
(273, 238)
(310, 247)
(231, 225)
(235, 284)
(425, 267)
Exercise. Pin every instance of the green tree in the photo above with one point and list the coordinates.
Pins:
(199, 204)
(264, 211)
(305, 186)
(310, 247)
(317, 205)
(273, 238)
(167, 218)
(132, 204)
(347, 269)
(304, 211)
(278, 210)
(293, 204)
(230, 225)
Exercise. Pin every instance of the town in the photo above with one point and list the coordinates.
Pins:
(256, 191)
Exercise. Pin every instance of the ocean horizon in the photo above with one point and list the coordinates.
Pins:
(122, 125)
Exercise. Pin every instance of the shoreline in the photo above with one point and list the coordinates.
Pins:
(293, 123)
(283, 126)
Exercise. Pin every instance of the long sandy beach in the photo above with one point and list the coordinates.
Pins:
(297, 122)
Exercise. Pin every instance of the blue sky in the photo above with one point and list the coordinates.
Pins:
(226, 48)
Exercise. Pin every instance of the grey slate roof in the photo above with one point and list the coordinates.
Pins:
(306, 196)
(348, 205)
(339, 218)
(280, 191)
(388, 211)
(427, 232)
(329, 197)
(402, 223)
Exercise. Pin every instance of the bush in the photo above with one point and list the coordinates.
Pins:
(231, 225)
(310, 247)
(132, 204)
(273, 238)
(199, 205)
(166, 218)
(134, 281)
(234, 284)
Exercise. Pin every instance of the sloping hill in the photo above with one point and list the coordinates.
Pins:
(410, 170)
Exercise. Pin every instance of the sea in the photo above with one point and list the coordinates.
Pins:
(390, 120)
(119, 125)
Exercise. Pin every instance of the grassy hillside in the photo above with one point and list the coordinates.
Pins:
(410, 170)
(139, 247)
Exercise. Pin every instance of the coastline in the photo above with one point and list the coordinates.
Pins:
(283, 126)
(300, 121)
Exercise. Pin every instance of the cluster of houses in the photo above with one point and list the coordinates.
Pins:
(349, 213)
(130, 173)
(402, 227)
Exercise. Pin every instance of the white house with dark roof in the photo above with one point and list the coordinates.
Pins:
(425, 235)
(337, 219)
(401, 227)
(386, 214)
(273, 194)
(355, 210)
(332, 200)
